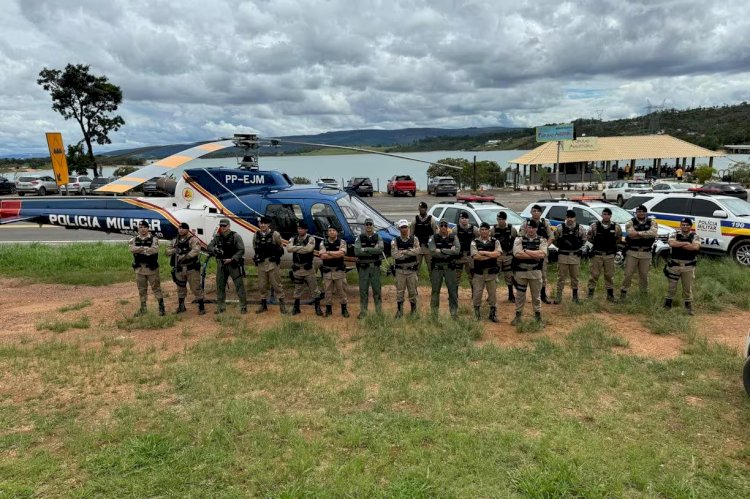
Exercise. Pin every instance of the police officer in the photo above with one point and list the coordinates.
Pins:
(332, 252)
(145, 249)
(640, 234)
(604, 235)
(368, 248)
(405, 249)
(685, 245)
(544, 230)
(423, 227)
(529, 252)
(485, 251)
(466, 233)
(302, 247)
(444, 248)
(229, 249)
(569, 239)
(506, 234)
(268, 249)
(184, 254)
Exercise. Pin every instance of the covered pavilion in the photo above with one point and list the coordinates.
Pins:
(615, 157)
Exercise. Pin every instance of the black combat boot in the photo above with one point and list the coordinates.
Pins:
(329, 311)
(668, 303)
(689, 308)
(399, 309)
(413, 308)
(344, 311)
(611, 295)
(493, 314)
(180, 306)
(544, 296)
(295, 308)
(538, 318)
(141, 311)
(477, 313)
(591, 293)
(282, 306)
(511, 296)
(516, 320)
(318, 311)
(263, 307)
(575, 296)
(162, 310)
(201, 307)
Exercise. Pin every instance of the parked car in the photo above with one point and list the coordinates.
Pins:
(401, 184)
(480, 209)
(149, 188)
(662, 186)
(40, 185)
(732, 189)
(79, 185)
(328, 182)
(622, 190)
(6, 186)
(361, 186)
(442, 185)
(722, 222)
(100, 182)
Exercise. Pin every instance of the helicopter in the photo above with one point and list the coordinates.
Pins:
(201, 197)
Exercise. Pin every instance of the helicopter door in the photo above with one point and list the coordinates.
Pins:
(323, 217)
(284, 218)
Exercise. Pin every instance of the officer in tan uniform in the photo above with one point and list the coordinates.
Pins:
(685, 246)
(640, 234)
(485, 251)
(604, 235)
(405, 249)
(268, 249)
(184, 253)
(423, 227)
(145, 249)
(302, 247)
(529, 252)
(569, 239)
(506, 234)
(332, 252)
(544, 230)
(465, 232)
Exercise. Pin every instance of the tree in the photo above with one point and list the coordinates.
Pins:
(301, 180)
(78, 161)
(703, 173)
(86, 98)
(488, 172)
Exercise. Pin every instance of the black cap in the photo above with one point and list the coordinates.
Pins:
(606, 210)
(332, 227)
(641, 208)
(570, 214)
(532, 223)
(443, 222)
(536, 207)
(484, 225)
(143, 223)
(184, 225)
(502, 215)
(423, 205)
(687, 220)
(463, 215)
(265, 220)
(302, 225)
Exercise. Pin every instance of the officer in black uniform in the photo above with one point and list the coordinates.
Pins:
(423, 227)
(506, 234)
(604, 235)
(466, 232)
(685, 246)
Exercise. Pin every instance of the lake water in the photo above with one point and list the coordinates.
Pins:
(380, 168)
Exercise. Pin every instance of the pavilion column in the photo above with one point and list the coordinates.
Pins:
(711, 162)
(692, 163)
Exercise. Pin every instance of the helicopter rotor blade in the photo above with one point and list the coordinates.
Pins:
(360, 149)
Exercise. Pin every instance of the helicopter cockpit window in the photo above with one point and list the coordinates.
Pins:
(284, 218)
(356, 211)
(323, 217)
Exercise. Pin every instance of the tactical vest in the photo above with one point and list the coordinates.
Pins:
(505, 236)
(542, 227)
(334, 263)
(423, 229)
(485, 266)
(465, 237)
(570, 241)
(641, 243)
(183, 248)
(532, 245)
(684, 253)
(443, 243)
(150, 261)
(302, 259)
(224, 246)
(265, 249)
(369, 242)
(605, 240)
(402, 245)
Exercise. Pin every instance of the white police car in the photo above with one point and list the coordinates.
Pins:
(480, 209)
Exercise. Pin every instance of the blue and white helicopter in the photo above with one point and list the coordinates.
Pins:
(203, 196)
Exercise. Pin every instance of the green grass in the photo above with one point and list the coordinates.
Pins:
(409, 408)
(60, 326)
(76, 306)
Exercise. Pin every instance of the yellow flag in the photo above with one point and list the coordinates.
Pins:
(57, 154)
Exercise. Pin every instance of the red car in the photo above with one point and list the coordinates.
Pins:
(401, 184)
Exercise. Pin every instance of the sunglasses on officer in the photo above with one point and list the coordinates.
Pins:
(368, 223)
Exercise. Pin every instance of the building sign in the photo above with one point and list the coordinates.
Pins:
(553, 133)
(57, 155)
(581, 144)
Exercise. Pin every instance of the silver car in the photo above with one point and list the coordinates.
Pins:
(41, 185)
(79, 185)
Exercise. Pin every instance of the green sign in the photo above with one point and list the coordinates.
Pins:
(555, 132)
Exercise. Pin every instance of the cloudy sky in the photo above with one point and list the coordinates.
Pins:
(200, 69)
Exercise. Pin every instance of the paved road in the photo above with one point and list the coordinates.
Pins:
(393, 208)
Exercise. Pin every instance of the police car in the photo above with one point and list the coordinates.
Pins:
(589, 211)
(480, 209)
(722, 222)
